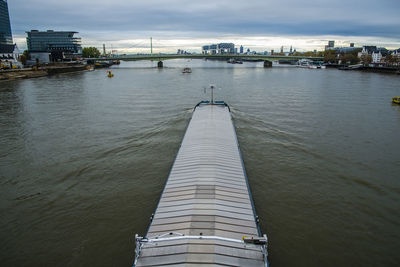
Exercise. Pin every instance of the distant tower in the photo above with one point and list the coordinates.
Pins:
(104, 49)
(5, 27)
(282, 49)
(351, 44)
(291, 49)
(241, 49)
(272, 52)
(331, 44)
(248, 50)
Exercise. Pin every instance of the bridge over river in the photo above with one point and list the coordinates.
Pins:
(161, 57)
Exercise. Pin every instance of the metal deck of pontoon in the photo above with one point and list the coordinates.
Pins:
(205, 216)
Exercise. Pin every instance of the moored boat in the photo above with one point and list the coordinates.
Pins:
(396, 100)
(234, 61)
(309, 64)
(304, 63)
(351, 67)
(317, 65)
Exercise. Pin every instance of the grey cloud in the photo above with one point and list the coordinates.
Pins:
(287, 17)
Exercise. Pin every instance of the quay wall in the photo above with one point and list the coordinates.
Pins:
(14, 74)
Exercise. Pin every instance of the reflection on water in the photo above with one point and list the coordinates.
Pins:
(84, 159)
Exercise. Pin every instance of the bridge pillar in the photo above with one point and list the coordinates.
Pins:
(160, 64)
(267, 64)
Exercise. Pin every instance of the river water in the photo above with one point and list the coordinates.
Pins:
(84, 158)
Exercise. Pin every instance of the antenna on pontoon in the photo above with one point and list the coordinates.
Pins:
(212, 87)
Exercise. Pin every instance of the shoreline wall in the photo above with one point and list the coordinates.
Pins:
(8, 75)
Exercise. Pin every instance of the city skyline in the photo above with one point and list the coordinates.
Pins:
(258, 25)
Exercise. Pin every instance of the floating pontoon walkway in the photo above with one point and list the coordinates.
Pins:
(205, 216)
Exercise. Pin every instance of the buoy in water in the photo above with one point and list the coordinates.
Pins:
(110, 74)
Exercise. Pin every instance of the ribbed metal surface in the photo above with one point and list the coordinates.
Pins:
(206, 195)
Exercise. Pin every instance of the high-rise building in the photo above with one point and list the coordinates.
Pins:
(330, 46)
(5, 27)
(241, 49)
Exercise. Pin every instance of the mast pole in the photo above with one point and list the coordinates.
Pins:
(212, 94)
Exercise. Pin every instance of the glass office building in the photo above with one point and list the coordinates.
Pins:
(5, 27)
(226, 48)
(221, 48)
(53, 42)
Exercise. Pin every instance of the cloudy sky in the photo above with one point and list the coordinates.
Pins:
(261, 25)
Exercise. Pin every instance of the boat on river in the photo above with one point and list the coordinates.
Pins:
(187, 70)
(206, 215)
(396, 100)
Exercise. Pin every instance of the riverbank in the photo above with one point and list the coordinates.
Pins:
(392, 70)
(7, 75)
(376, 69)
(26, 73)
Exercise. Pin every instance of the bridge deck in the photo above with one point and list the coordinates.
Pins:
(203, 56)
(206, 208)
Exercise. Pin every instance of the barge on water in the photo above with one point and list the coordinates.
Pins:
(206, 215)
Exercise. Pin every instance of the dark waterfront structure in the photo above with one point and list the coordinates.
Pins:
(57, 43)
(5, 27)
